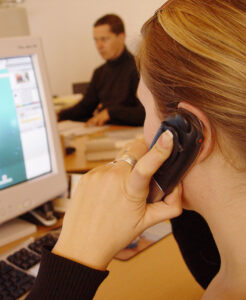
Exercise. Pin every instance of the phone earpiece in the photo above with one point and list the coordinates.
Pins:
(187, 140)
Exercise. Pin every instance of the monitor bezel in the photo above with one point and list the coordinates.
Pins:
(20, 198)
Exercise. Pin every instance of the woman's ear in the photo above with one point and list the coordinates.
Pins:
(208, 142)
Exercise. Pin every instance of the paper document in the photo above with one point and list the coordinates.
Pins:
(108, 146)
(101, 155)
(125, 134)
(104, 144)
(157, 231)
(73, 129)
(66, 101)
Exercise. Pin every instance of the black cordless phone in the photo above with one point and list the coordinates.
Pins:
(187, 140)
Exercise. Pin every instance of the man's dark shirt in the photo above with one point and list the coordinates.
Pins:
(114, 86)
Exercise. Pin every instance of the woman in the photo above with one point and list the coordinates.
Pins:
(193, 57)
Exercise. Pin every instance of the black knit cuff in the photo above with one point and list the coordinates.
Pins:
(61, 278)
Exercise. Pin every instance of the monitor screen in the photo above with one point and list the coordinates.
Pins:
(25, 152)
(31, 162)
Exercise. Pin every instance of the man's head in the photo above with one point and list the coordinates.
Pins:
(109, 36)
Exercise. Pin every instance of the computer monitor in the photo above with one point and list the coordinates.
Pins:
(31, 160)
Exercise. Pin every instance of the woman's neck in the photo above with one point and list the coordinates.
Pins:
(225, 212)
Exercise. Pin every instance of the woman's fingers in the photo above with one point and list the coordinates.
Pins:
(137, 185)
(163, 210)
(136, 148)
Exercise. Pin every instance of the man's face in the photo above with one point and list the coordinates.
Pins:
(109, 44)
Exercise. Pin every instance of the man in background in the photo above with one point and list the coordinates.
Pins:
(111, 95)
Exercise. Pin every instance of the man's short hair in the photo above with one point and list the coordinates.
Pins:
(115, 23)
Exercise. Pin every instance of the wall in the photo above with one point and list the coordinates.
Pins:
(65, 27)
(13, 21)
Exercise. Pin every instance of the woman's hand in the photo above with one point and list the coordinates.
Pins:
(109, 208)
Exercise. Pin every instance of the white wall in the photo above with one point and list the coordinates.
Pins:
(65, 27)
(13, 21)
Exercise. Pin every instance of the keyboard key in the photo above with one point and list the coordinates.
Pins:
(14, 283)
(4, 268)
(24, 259)
(47, 240)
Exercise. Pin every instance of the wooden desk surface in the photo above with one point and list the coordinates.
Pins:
(157, 273)
(76, 162)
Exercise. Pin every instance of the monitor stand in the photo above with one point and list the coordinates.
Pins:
(14, 230)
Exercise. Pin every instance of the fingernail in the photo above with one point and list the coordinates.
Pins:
(166, 139)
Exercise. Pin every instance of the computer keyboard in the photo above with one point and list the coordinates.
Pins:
(13, 282)
(47, 240)
(18, 268)
(24, 259)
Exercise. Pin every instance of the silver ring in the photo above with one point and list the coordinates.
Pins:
(128, 159)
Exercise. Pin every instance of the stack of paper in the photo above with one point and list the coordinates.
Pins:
(108, 146)
(64, 102)
(101, 149)
(70, 129)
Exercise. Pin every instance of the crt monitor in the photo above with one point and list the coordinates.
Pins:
(31, 160)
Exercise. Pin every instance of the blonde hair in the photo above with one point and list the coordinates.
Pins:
(195, 51)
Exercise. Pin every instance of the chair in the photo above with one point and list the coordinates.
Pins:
(80, 87)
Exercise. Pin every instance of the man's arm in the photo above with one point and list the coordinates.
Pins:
(128, 115)
(123, 113)
(83, 110)
(99, 119)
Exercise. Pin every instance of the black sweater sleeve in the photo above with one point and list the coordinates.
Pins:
(60, 278)
(127, 115)
(121, 113)
(83, 110)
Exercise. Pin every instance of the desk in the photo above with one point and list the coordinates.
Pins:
(157, 273)
(76, 162)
